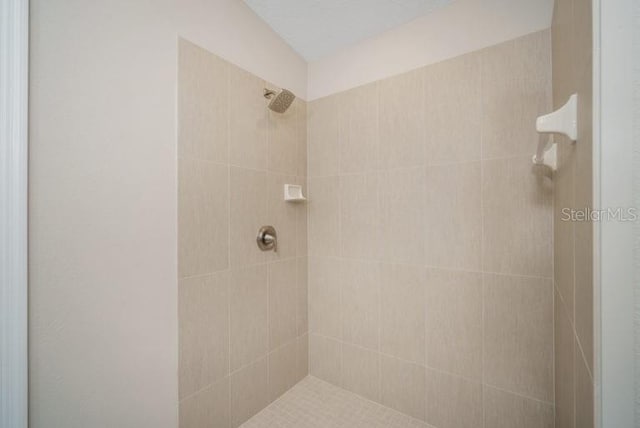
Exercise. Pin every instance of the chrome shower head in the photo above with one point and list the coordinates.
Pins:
(279, 102)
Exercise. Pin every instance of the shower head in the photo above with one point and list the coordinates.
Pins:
(280, 102)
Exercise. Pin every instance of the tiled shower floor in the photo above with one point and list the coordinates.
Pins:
(313, 403)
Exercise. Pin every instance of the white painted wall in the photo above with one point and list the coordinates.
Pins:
(103, 250)
(464, 26)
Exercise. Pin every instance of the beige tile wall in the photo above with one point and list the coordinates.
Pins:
(430, 240)
(573, 242)
(242, 313)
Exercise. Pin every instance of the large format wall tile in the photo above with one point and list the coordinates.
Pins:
(518, 335)
(453, 402)
(302, 357)
(454, 322)
(453, 216)
(302, 223)
(203, 315)
(401, 120)
(282, 369)
(564, 366)
(249, 306)
(283, 140)
(403, 386)
(324, 297)
(359, 137)
(248, 212)
(563, 229)
(416, 189)
(572, 52)
(359, 217)
(506, 410)
(402, 312)
(360, 303)
(203, 217)
(203, 104)
(283, 216)
(583, 37)
(236, 303)
(516, 89)
(453, 110)
(562, 53)
(584, 229)
(207, 408)
(402, 215)
(517, 218)
(302, 296)
(248, 121)
(361, 371)
(323, 147)
(302, 161)
(282, 303)
(325, 359)
(584, 392)
(324, 216)
(249, 391)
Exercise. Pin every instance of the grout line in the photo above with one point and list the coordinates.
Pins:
(444, 268)
(378, 162)
(205, 388)
(240, 267)
(420, 165)
(339, 237)
(378, 404)
(229, 289)
(422, 200)
(482, 240)
(263, 356)
(553, 247)
(269, 338)
(237, 166)
(584, 358)
(517, 394)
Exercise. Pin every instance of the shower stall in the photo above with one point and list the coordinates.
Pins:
(226, 233)
(427, 280)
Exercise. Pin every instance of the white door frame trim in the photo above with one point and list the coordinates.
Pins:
(617, 162)
(14, 114)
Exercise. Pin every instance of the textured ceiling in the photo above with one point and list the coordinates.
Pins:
(316, 28)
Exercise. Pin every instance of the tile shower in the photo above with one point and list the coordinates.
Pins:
(418, 278)
(430, 240)
(242, 313)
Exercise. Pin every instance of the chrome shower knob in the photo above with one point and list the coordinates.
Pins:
(267, 239)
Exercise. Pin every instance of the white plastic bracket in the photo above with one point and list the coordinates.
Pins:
(562, 121)
(549, 157)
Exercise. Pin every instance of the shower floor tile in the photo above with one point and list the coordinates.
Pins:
(313, 403)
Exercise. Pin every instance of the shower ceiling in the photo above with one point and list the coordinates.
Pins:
(315, 28)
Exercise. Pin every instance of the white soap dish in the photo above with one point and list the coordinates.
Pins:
(293, 193)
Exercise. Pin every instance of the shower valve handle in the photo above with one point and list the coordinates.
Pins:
(267, 239)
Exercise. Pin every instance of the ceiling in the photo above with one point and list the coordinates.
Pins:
(317, 28)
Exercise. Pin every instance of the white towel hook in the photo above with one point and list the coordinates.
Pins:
(562, 121)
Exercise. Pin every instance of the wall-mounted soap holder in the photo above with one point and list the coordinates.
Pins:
(562, 121)
(293, 193)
